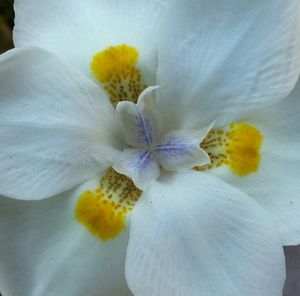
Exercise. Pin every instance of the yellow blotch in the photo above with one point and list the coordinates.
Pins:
(237, 146)
(115, 68)
(100, 216)
(244, 148)
(103, 210)
(113, 61)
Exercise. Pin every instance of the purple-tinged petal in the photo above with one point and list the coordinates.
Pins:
(139, 165)
(138, 122)
(180, 150)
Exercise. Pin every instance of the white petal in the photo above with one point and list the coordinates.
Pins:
(194, 235)
(77, 31)
(56, 127)
(227, 59)
(44, 251)
(139, 124)
(139, 165)
(181, 150)
(275, 185)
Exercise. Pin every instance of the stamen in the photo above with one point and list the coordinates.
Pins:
(237, 146)
(103, 210)
(115, 68)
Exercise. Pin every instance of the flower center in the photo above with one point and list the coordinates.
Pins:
(150, 147)
(103, 210)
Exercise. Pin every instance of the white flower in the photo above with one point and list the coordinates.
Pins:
(189, 233)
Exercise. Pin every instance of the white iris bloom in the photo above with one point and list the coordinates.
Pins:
(83, 130)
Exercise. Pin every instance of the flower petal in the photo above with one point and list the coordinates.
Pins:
(57, 127)
(45, 251)
(139, 125)
(139, 165)
(275, 185)
(180, 150)
(77, 32)
(193, 235)
(227, 59)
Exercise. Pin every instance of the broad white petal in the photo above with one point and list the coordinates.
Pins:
(180, 150)
(77, 31)
(194, 235)
(139, 165)
(227, 59)
(275, 185)
(44, 251)
(139, 124)
(57, 127)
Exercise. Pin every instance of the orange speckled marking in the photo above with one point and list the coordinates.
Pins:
(237, 146)
(103, 210)
(115, 68)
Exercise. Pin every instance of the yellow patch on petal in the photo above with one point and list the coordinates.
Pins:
(113, 61)
(243, 149)
(237, 146)
(99, 215)
(103, 210)
(115, 68)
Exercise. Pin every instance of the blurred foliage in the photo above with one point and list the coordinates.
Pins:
(6, 24)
